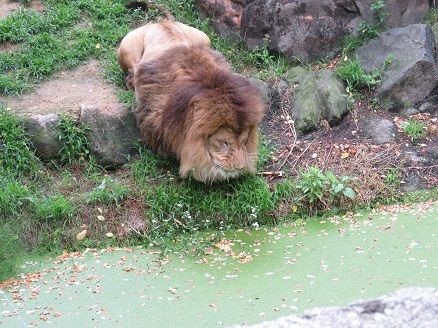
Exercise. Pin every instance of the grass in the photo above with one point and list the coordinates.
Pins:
(75, 144)
(414, 129)
(432, 17)
(107, 192)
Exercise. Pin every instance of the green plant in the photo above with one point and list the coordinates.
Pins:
(264, 152)
(312, 184)
(16, 157)
(339, 186)
(432, 17)
(318, 188)
(76, 146)
(351, 71)
(414, 129)
(378, 8)
(11, 249)
(54, 208)
(108, 192)
(392, 177)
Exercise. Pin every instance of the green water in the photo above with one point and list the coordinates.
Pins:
(258, 275)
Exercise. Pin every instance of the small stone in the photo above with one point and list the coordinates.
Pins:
(112, 134)
(44, 135)
(295, 74)
(379, 130)
(426, 107)
(408, 111)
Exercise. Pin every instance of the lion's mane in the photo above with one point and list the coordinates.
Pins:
(185, 95)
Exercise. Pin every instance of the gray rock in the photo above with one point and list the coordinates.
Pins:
(264, 88)
(411, 182)
(303, 29)
(112, 134)
(44, 135)
(409, 111)
(405, 308)
(432, 152)
(295, 74)
(320, 95)
(426, 107)
(379, 130)
(412, 75)
(400, 12)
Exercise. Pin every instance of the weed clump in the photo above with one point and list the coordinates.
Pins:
(76, 146)
(414, 129)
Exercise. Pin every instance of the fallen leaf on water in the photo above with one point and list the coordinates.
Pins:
(81, 235)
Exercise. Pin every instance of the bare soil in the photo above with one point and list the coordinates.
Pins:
(66, 92)
(8, 6)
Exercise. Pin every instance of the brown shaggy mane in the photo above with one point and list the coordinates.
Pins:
(203, 75)
(184, 97)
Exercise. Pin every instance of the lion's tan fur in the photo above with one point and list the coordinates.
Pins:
(189, 104)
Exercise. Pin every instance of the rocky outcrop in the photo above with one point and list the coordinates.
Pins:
(307, 30)
(112, 134)
(320, 95)
(405, 308)
(412, 75)
(303, 29)
(43, 132)
(399, 12)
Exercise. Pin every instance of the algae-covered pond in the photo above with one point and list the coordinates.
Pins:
(248, 277)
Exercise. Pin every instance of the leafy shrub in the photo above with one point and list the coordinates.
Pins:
(319, 190)
(414, 129)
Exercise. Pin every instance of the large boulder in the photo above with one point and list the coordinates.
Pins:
(301, 29)
(320, 95)
(405, 308)
(399, 12)
(413, 74)
(112, 134)
(44, 135)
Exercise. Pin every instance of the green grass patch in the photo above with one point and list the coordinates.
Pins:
(16, 157)
(76, 146)
(55, 208)
(414, 129)
(432, 17)
(107, 192)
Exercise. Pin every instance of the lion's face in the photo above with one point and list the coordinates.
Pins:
(226, 154)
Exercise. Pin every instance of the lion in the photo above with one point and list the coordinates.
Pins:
(189, 104)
